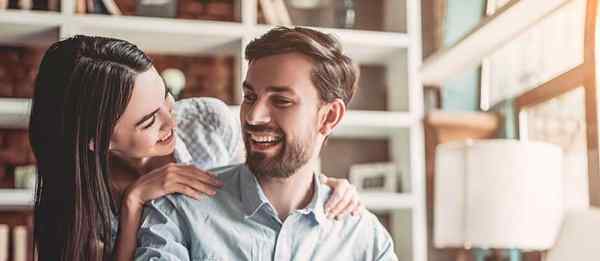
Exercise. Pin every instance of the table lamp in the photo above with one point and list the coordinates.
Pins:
(497, 194)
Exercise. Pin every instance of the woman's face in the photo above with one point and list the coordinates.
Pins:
(146, 128)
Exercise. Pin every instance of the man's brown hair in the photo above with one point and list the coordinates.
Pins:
(333, 73)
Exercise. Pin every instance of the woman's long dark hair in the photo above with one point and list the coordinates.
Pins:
(82, 88)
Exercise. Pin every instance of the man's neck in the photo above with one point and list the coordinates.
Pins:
(289, 194)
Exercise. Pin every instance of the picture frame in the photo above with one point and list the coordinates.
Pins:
(374, 177)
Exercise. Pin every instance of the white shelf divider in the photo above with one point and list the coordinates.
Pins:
(14, 113)
(18, 27)
(380, 201)
(16, 198)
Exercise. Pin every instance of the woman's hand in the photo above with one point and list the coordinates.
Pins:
(172, 178)
(344, 200)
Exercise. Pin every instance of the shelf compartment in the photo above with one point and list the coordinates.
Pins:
(372, 15)
(364, 47)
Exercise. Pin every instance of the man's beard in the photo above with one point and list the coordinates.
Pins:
(291, 157)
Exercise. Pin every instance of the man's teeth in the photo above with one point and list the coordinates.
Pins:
(264, 138)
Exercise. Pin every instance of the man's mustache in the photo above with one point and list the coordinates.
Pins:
(261, 128)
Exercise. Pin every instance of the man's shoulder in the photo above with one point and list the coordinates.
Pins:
(364, 226)
(229, 193)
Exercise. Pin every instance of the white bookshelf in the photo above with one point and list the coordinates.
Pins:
(397, 49)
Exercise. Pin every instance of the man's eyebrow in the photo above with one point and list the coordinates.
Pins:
(146, 117)
(279, 89)
(248, 86)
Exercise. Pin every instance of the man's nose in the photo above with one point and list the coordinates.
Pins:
(258, 114)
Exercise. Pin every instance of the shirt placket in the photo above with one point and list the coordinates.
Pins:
(283, 247)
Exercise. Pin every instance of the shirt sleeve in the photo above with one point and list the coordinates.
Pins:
(383, 245)
(209, 131)
(161, 236)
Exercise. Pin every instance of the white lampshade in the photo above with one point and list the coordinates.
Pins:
(497, 194)
(579, 237)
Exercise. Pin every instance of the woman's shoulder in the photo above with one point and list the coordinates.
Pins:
(209, 112)
(209, 131)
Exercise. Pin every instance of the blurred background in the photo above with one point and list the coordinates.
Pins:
(508, 86)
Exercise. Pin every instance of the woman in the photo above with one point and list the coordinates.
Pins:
(103, 134)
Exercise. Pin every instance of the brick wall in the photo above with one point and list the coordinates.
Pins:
(204, 76)
(18, 67)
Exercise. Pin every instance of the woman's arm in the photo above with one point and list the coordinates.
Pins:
(172, 178)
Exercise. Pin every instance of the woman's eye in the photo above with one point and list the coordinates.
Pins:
(152, 120)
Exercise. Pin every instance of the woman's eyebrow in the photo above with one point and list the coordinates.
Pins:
(146, 117)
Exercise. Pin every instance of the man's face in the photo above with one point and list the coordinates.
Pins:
(280, 115)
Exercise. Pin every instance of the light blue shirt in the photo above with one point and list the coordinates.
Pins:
(239, 223)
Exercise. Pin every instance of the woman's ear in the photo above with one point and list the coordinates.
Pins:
(334, 112)
(91, 145)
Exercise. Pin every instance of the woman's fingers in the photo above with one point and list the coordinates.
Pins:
(203, 176)
(201, 187)
(185, 190)
(347, 209)
(343, 204)
(339, 190)
(357, 209)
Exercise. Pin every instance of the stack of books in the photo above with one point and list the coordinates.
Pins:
(19, 242)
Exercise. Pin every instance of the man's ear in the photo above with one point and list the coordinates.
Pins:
(334, 113)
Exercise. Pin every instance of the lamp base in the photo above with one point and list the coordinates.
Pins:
(480, 254)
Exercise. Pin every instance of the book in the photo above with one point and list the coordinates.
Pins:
(20, 243)
(283, 16)
(111, 7)
(275, 12)
(25, 4)
(3, 242)
(269, 13)
(90, 6)
(80, 7)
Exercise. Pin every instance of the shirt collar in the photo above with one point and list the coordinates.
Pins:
(253, 197)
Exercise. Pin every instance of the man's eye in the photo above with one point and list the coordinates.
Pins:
(249, 98)
(282, 102)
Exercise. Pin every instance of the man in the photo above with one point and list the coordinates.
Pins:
(272, 207)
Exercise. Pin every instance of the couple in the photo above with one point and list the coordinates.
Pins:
(108, 112)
